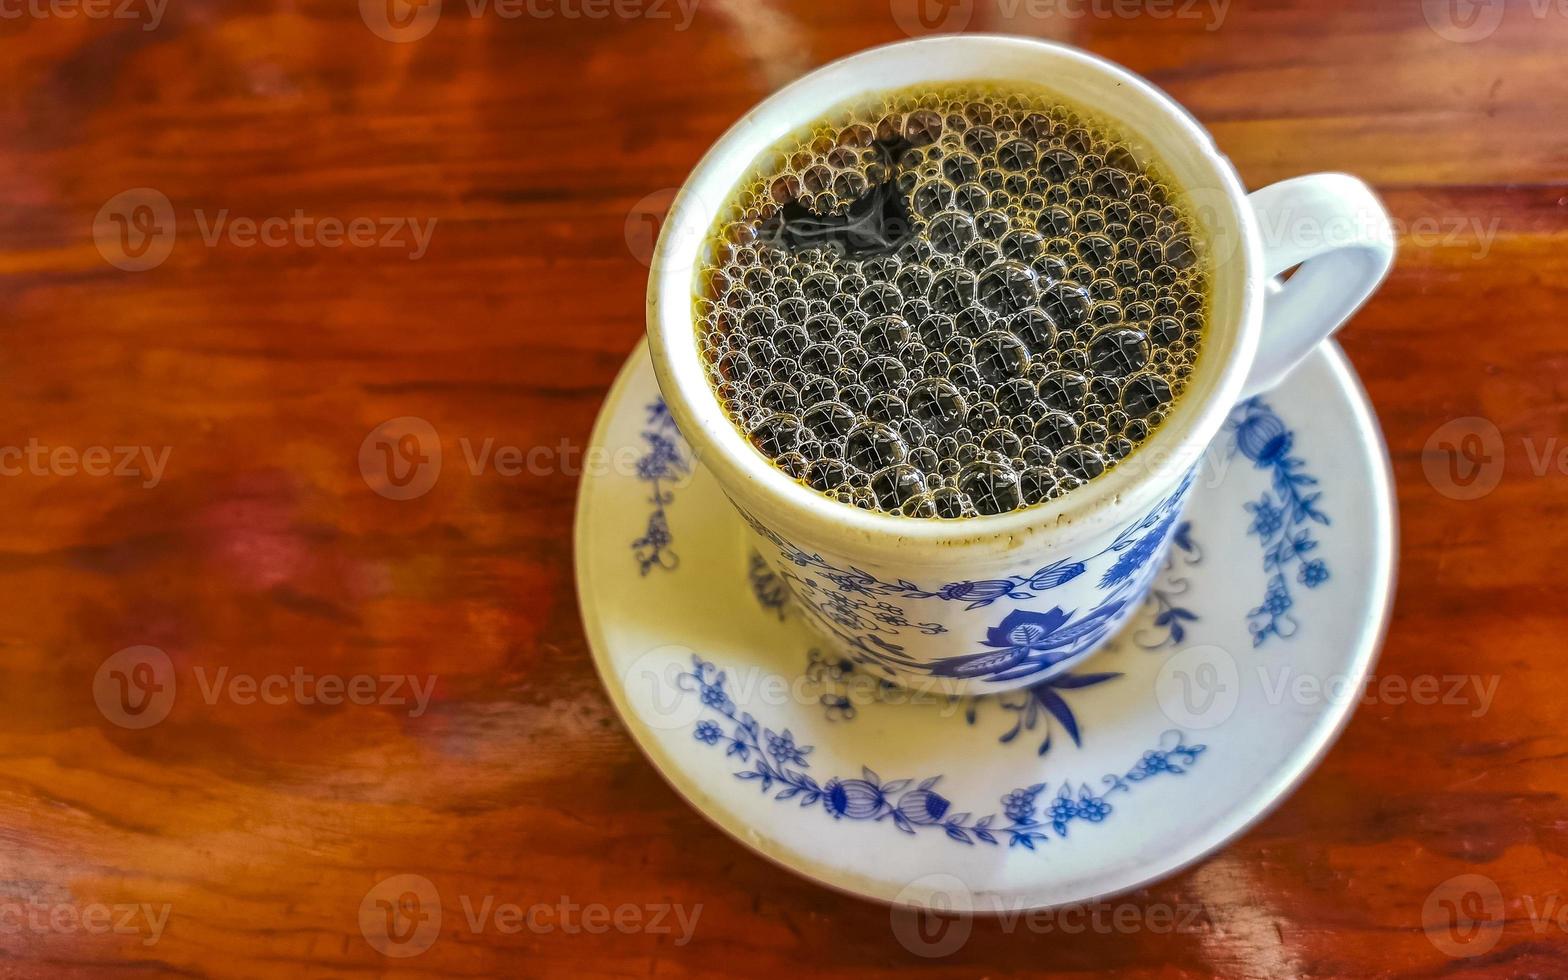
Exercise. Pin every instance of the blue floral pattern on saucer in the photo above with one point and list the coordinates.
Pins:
(773, 759)
(1172, 615)
(663, 463)
(906, 790)
(1282, 518)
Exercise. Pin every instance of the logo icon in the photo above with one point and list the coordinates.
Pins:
(645, 225)
(401, 916)
(401, 458)
(653, 681)
(1210, 213)
(1463, 458)
(135, 229)
(134, 688)
(1199, 687)
(917, 17)
(932, 916)
(1464, 915)
(644, 222)
(1463, 21)
(400, 21)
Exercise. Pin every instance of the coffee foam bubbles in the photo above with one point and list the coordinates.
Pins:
(1028, 335)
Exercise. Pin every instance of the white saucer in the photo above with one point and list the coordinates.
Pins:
(1207, 710)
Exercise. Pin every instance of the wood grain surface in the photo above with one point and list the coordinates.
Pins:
(538, 144)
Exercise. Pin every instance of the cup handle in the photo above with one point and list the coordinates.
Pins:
(1336, 229)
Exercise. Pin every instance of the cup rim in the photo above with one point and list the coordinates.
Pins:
(753, 482)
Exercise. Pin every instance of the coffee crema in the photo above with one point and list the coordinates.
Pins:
(949, 302)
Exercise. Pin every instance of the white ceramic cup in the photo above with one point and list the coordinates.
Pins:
(986, 604)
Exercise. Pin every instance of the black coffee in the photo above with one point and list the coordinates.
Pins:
(951, 302)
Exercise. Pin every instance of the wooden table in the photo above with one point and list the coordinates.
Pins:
(242, 832)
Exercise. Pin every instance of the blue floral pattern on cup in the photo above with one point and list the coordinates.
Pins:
(1136, 549)
(1044, 705)
(869, 614)
(1027, 642)
(860, 610)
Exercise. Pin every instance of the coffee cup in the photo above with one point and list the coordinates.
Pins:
(986, 604)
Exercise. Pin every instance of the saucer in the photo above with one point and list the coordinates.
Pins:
(1211, 705)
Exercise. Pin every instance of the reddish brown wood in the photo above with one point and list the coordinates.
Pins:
(533, 143)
